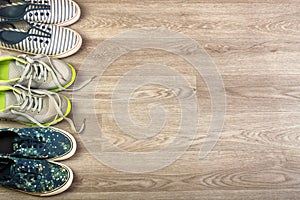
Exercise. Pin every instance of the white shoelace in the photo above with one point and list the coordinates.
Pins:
(34, 101)
(38, 70)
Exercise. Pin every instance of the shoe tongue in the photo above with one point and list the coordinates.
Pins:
(11, 99)
(15, 69)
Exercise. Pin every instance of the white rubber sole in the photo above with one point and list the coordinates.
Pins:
(73, 142)
(65, 187)
(74, 19)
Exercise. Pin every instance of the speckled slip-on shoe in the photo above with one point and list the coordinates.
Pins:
(34, 177)
(37, 143)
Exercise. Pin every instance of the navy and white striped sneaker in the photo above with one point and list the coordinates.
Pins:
(60, 12)
(37, 38)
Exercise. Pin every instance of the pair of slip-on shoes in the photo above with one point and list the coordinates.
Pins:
(38, 27)
(28, 160)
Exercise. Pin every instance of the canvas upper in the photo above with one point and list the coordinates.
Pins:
(39, 72)
(32, 107)
(35, 177)
(37, 143)
(36, 38)
(60, 12)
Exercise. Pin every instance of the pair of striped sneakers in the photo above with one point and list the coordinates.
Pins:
(38, 27)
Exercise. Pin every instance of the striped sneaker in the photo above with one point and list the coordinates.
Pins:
(60, 12)
(34, 177)
(39, 72)
(37, 143)
(36, 38)
(32, 107)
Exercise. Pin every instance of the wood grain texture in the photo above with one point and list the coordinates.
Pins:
(255, 45)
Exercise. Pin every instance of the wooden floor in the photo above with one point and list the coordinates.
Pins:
(255, 45)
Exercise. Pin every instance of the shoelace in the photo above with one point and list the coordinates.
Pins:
(38, 70)
(34, 101)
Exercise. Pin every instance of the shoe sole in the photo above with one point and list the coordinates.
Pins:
(73, 142)
(74, 19)
(63, 55)
(48, 123)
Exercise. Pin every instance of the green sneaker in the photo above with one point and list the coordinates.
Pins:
(37, 143)
(35, 177)
(33, 107)
(39, 72)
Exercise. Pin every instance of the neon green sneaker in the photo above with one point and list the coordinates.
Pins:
(38, 72)
(33, 107)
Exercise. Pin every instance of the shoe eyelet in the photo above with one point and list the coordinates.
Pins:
(42, 14)
(47, 14)
(30, 14)
(29, 39)
(35, 39)
(41, 40)
(36, 14)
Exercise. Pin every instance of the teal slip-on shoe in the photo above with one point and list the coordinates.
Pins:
(37, 143)
(34, 177)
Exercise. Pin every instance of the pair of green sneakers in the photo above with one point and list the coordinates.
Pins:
(27, 160)
(28, 87)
